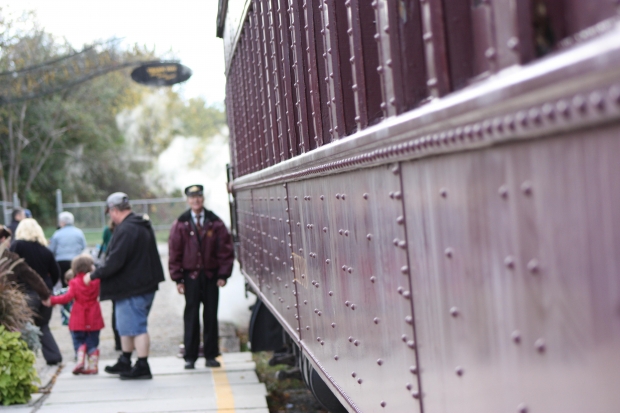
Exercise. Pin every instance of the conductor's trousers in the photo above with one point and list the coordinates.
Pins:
(201, 290)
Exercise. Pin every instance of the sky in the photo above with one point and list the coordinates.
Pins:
(187, 27)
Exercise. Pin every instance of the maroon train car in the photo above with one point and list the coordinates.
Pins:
(428, 197)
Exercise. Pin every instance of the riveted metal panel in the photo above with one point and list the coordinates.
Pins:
(514, 254)
(299, 74)
(276, 275)
(247, 229)
(354, 296)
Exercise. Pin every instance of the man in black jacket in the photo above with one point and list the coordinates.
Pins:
(130, 276)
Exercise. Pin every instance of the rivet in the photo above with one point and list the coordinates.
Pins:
(319, 313)
(392, 194)
(579, 103)
(376, 320)
(503, 191)
(346, 233)
(409, 319)
(404, 269)
(513, 43)
(356, 343)
(344, 268)
(516, 336)
(454, 312)
(400, 290)
(526, 187)
(336, 357)
(350, 270)
(330, 293)
(365, 196)
(352, 306)
(411, 344)
(350, 339)
(413, 369)
(533, 265)
(459, 371)
(354, 374)
(380, 362)
(373, 279)
(402, 244)
(540, 345)
(337, 196)
(327, 261)
(509, 262)
(397, 195)
(369, 237)
(359, 381)
(563, 107)
(400, 220)
(383, 404)
(341, 231)
(522, 408)
(347, 303)
(395, 241)
(443, 192)
(324, 229)
(449, 252)
(415, 394)
(307, 327)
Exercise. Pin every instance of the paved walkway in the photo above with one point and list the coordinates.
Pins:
(232, 388)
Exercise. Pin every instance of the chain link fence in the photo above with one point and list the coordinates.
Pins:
(91, 216)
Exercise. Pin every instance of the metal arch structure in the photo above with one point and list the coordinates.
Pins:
(447, 240)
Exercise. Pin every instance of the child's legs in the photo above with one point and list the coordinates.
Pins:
(92, 341)
(79, 338)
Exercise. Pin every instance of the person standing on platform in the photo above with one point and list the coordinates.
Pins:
(67, 243)
(16, 216)
(31, 245)
(200, 260)
(130, 276)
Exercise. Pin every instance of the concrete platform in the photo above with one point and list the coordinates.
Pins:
(232, 388)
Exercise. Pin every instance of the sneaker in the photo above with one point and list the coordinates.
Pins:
(212, 363)
(189, 365)
(140, 371)
(122, 365)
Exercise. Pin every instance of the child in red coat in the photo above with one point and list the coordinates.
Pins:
(86, 321)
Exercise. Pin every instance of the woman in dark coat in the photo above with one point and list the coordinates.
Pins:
(31, 245)
(28, 281)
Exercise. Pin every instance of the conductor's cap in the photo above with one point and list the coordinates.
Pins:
(194, 190)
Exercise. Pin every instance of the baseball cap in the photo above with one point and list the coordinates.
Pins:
(117, 199)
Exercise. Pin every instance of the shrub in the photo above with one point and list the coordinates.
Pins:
(14, 309)
(17, 372)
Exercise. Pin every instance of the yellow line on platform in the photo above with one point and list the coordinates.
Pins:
(223, 392)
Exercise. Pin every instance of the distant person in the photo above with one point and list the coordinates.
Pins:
(108, 231)
(130, 276)
(27, 213)
(67, 243)
(16, 216)
(200, 260)
(27, 280)
(86, 321)
(31, 245)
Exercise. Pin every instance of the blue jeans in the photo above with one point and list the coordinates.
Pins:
(132, 314)
(90, 338)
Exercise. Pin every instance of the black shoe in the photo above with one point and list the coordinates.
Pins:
(212, 363)
(140, 371)
(189, 365)
(122, 365)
